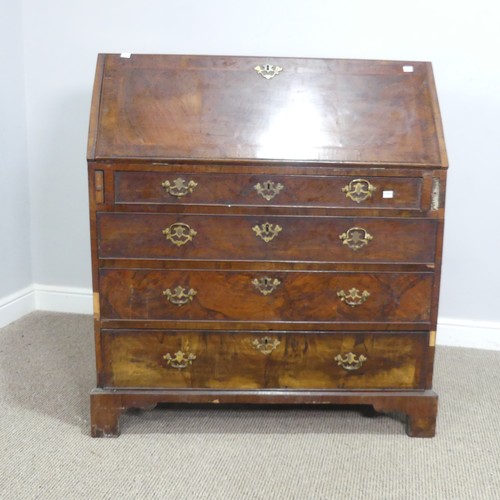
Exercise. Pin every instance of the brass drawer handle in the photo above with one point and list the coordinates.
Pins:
(180, 360)
(353, 298)
(179, 296)
(179, 187)
(349, 362)
(268, 71)
(359, 190)
(266, 345)
(179, 233)
(266, 285)
(356, 238)
(268, 189)
(267, 231)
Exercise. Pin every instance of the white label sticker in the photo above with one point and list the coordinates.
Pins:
(388, 194)
(408, 69)
(125, 55)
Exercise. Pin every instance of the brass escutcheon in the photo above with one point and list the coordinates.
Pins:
(266, 285)
(359, 190)
(356, 238)
(180, 360)
(179, 296)
(353, 298)
(268, 189)
(268, 71)
(266, 345)
(179, 187)
(179, 233)
(267, 231)
(349, 362)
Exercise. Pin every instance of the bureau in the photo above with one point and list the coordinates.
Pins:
(265, 230)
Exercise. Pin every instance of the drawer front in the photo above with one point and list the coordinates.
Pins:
(265, 296)
(256, 238)
(268, 190)
(260, 360)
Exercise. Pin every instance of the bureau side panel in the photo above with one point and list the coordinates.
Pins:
(94, 109)
(97, 177)
(440, 212)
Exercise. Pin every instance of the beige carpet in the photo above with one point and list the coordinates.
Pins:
(47, 370)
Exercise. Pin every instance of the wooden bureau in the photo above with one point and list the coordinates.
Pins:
(265, 230)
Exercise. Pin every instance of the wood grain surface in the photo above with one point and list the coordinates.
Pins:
(231, 360)
(299, 296)
(314, 110)
(231, 237)
(289, 190)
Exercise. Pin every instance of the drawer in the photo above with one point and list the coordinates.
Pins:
(213, 295)
(268, 190)
(257, 238)
(160, 359)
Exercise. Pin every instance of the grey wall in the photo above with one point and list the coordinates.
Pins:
(15, 253)
(61, 40)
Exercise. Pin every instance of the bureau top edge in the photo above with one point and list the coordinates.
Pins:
(265, 109)
(252, 162)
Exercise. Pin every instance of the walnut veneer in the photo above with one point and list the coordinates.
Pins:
(265, 230)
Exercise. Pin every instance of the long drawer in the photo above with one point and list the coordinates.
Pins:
(279, 238)
(322, 296)
(257, 360)
(268, 190)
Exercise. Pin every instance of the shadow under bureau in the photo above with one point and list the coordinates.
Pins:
(265, 230)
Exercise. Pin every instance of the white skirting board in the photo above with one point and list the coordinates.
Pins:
(45, 298)
(468, 333)
(450, 331)
(16, 305)
(63, 299)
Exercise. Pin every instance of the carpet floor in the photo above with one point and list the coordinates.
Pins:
(240, 452)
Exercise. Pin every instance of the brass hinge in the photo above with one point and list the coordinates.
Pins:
(436, 187)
